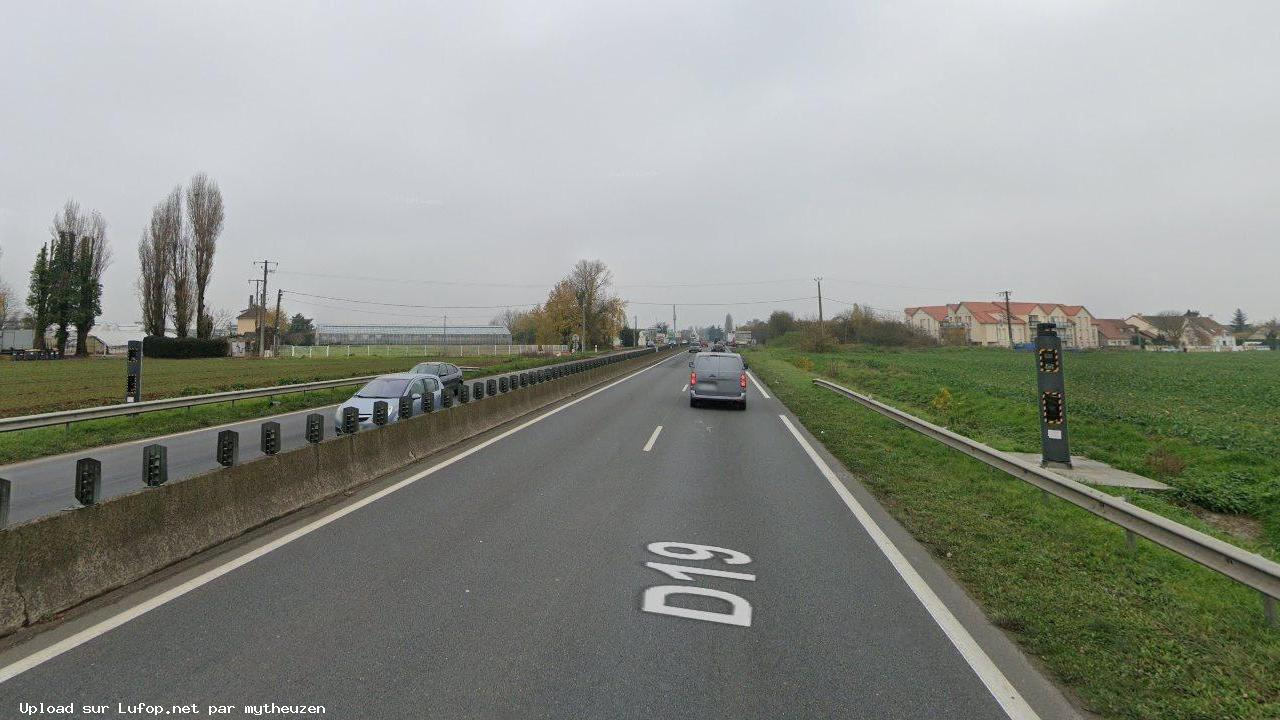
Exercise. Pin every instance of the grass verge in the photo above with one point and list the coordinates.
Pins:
(1141, 634)
(43, 442)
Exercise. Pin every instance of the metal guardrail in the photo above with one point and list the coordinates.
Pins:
(1240, 565)
(66, 417)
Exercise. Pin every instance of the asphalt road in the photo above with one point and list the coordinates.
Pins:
(515, 580)
(45, 485)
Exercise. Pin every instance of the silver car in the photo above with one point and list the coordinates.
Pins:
(422, 387)
(718, 377)
(449, 374)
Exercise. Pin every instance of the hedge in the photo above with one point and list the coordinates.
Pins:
(182, 348)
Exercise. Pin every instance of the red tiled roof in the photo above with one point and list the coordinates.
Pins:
(937, 312)
(1113, 329)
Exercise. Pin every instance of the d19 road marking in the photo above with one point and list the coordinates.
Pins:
(656, 598)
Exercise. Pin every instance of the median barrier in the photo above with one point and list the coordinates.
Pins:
(52, 564)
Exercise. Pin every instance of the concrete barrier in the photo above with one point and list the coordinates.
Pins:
(54, 563)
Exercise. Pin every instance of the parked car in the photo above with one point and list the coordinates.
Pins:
(448, 373)
(422, 387)
(718, 377)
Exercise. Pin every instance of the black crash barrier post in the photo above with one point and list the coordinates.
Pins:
(88, 481)
(270, 437)
(155, 465)
(228, 452)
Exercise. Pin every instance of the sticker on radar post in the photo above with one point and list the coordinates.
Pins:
(659, 599)
(1054, 434)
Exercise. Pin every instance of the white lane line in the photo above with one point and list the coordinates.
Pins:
(759, 387)
(685, 388)
(71, 642)
(653, 438)
(997, 684)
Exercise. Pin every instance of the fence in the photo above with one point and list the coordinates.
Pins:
(433, 351)
(1240, 565)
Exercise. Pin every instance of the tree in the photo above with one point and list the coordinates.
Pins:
(781, 322)
(39, 290)
(591, 284)
(1272, 327)
(93, 255)
(728, 323)
(301, 331)
(181, 257)
(1239, 321)
(205, 215)
(662, 327)
(155, 250)
(520, 323)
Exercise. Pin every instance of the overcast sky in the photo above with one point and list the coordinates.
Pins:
(1117, 155)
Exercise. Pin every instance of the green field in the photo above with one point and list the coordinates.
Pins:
(1135, 634)
(35, 387)
(1207, 424)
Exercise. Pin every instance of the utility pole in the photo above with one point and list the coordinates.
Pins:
(674, 328)
(446, 333)
(635, 331)
(268, 266)
(275, 327)
(1008, 315)
(821, 326)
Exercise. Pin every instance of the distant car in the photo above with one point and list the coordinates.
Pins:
(422, 387)
(718, 347)
(449, 374)
(695, 349)
(718, 377)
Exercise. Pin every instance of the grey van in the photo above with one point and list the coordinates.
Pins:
(720, 377)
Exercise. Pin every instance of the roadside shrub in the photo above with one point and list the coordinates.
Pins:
(184, 348)
(803, 363)
(816, 339)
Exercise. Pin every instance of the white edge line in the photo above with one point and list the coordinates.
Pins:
(653, 438)
(71, 642)
(685, 388)
(759, 387)
(997, 684)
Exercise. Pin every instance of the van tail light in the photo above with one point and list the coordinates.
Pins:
(742, 381)
(693, 378)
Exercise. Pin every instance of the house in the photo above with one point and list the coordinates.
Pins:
(1115, 333)
(985, 323)
(247, 321)
(1189, 331)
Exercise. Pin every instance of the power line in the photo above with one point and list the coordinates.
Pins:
(335, 276)
(723, 304)
(504, 306)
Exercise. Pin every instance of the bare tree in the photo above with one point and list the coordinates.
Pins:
(205, 216)
(93, 255)
(181, 263)
(155, 251)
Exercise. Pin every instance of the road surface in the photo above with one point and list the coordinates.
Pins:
(625, 556)
(45, 485)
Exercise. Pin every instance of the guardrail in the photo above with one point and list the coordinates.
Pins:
(66, 417)
(1240, 565)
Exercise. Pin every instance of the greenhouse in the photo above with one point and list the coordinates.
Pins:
(412, 335)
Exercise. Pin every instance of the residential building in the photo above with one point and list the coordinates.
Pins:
(1115, 333)
(985, 323)
(247, 321)
(1189, 331)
